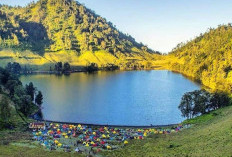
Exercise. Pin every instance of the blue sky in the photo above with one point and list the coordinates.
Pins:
(160, 24)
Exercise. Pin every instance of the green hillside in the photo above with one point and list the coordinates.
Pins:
(207, 58)
(211, 135)
(64, 30)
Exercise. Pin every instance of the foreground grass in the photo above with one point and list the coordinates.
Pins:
(211, 135)
(26, 151)
(19, 144)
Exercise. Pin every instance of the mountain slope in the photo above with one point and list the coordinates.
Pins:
(207, 58)
(65, 30)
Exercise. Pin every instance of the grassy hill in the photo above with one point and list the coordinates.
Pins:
(207, 58)
(211, 135)
(50, 31)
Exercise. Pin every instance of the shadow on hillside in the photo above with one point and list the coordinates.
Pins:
(37, 36)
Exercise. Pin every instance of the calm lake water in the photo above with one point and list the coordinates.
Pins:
(133, 98)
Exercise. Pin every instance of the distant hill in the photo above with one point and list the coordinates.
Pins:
(64, 30)
(51, 31)
(207, 58)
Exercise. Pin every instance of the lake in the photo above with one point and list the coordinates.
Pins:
(131, 98)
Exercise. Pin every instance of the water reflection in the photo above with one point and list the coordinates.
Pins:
(116, 98)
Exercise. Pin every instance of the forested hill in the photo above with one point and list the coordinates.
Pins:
(65, 30)
(207, 58)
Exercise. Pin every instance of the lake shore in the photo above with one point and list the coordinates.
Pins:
(106, 125)
(136, 111)
(83, 69)
(207, 128)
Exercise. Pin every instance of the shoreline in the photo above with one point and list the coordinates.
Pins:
(114, 126)
(82, 70)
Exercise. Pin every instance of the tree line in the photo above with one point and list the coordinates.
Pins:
(91, 67)
(26, 99)
(207, 58)
(62, 68)
(201, 102)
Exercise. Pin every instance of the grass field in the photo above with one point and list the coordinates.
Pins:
(19, 144)
(210, 135)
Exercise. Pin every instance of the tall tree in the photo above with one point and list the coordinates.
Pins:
(58, 66)
(39, 98)
(186, 105)
(5, 110)
(30, 89)
(67, 67)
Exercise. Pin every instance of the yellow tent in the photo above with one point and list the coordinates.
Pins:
(125, 142)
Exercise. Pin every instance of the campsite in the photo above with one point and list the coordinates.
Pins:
(92, 139)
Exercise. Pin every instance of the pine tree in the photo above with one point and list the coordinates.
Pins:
(39, 98)
(30, 89)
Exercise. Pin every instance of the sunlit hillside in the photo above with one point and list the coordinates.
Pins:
(51, 31)
(64, 30)
(207, 58)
